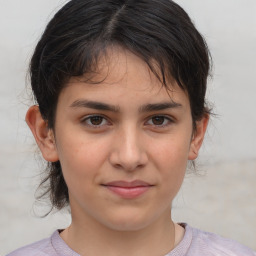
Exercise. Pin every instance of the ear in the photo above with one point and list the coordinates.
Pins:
(43, 135)
(198, 137)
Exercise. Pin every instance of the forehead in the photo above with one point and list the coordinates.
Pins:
(120, 74)
(116, 64)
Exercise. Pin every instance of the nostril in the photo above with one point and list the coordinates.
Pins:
(129, 167)
(118, 166)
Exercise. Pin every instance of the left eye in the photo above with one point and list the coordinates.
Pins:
(95, 121)
(159, 121)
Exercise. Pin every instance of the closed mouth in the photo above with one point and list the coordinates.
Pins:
(128, 184)
(128, 189)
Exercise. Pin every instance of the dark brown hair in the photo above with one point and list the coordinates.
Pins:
(158, 31)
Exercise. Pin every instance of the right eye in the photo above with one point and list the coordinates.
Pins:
(95, 121)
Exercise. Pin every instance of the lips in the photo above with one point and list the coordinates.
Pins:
(127, 184)
(128, 190)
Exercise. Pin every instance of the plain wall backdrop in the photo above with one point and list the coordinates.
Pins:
(221, 200)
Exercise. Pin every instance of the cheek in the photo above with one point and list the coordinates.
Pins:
(171, 152)
(170, 158)
(80, 160)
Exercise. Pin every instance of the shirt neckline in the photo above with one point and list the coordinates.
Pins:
(181, 249)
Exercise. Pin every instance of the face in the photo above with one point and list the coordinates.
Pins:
(123, 144)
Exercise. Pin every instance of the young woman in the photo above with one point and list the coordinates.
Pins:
(120, 91)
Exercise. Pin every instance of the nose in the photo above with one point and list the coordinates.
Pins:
(128, 150)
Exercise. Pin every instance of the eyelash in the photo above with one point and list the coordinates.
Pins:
(167, 121)
(89, 119)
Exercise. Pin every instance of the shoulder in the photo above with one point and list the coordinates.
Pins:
(40, 248)
(215, 245)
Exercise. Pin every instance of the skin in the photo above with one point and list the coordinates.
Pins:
(127, 140)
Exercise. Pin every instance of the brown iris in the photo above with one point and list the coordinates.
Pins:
(96, 120)
(158, 120)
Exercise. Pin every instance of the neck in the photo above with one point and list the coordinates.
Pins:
(89, 237)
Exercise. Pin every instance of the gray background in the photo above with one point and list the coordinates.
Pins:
(220, 199)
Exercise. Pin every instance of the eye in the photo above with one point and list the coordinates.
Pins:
(95, 121)
(159, 121)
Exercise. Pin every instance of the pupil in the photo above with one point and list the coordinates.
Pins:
(158, 120)
(96, 120)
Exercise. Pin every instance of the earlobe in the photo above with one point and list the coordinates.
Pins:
(43, 135)
(198, 137)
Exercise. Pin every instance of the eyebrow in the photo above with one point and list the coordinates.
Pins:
(94, 105)
(108, 107)
(159, 106)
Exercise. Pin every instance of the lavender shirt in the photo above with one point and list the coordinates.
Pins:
(194, 243)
